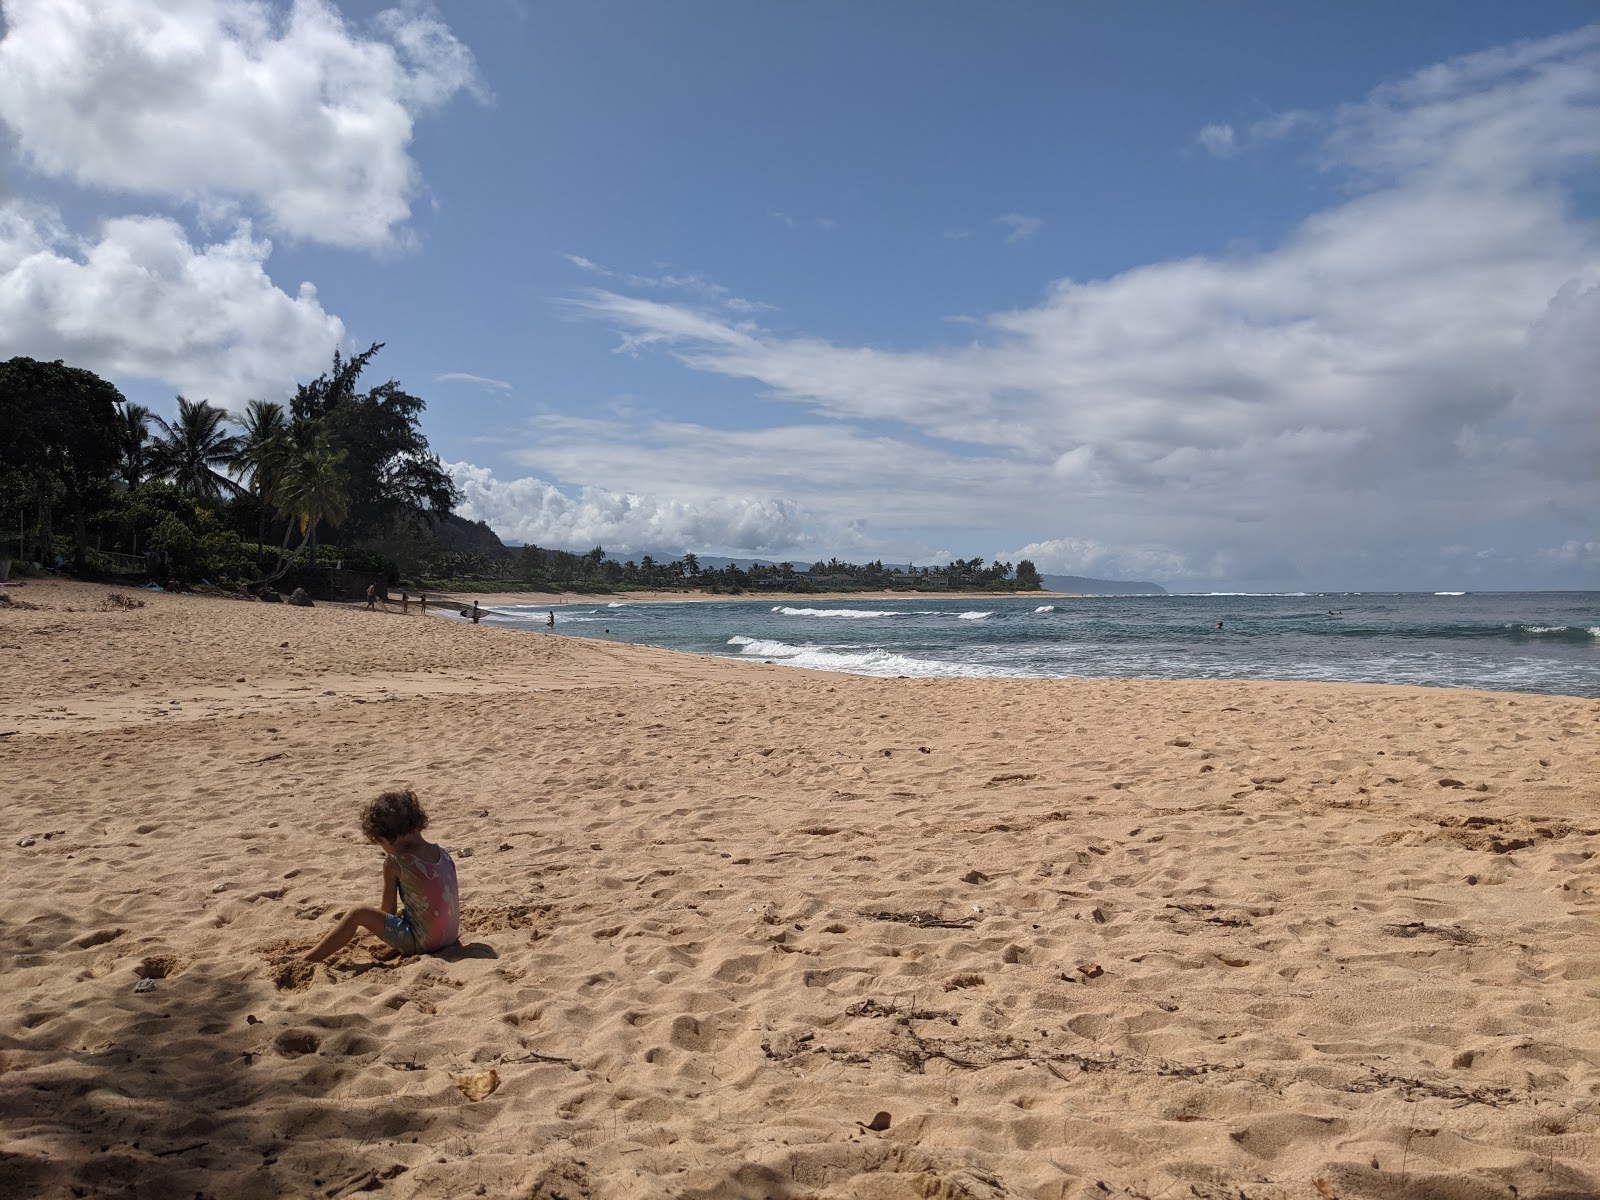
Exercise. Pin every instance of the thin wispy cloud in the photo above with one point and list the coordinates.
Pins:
(1022, 228)
(483, 381)
(694, 284)
(1219, 140)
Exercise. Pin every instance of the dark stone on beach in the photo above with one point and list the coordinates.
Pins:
(300, 599)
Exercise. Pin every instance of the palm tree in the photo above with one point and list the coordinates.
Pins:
(192, 448)
(133, 443)
(263, 450)
(311, 486)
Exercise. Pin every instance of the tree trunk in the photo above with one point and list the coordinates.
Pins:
(80, 534)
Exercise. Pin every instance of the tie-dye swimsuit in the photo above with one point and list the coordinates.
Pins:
(430, 909)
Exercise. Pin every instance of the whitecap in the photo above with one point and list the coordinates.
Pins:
(855, 614)
(1449, 593)
(1044, 608)
(973, 616)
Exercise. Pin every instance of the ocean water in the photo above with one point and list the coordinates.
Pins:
(1503, 641)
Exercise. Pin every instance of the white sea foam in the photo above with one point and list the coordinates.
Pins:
(616, 604)
(1449, 593)
(851, 614)
(973, 616)
(1045, 608)
(857, 662)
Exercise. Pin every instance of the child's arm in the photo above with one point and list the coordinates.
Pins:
(391, 884)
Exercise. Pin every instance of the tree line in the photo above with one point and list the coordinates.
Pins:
(596, 569)
(192, 493)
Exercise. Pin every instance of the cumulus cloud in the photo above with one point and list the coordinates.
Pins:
(298, 117)
(139, 300)
(534, 510)
(1415, 360)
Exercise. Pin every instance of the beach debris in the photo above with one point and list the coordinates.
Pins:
(880, 1121)
(1420, 1089)
(145, 985)
(27, 841)
(1450, 933)
(464, 852)
(877, 1008)
(222, 887)
(922, 920)
(327, 692)
(1011, 777)
(1091, 970)
(974, 876)
(478, 1086)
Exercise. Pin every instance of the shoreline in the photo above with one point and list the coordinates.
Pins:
(554, 600)
(1194, 936)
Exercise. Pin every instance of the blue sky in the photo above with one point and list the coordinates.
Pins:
(1255, 296)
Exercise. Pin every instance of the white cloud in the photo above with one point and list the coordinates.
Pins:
(691, 283)
(533, 510)
(1413, 361)
(483, 381)
(140, 300)
(299, 118)
(1219, 140)
(1022, 228)
(1085, 556)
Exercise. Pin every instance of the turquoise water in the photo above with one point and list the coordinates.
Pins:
(1506, 641)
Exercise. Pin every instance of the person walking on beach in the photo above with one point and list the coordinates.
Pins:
(421, 909)
(405, 604)
(422, 603)
(552, 621)
(372, 597)
(475, 613)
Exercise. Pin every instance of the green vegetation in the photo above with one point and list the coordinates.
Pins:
(202, 496)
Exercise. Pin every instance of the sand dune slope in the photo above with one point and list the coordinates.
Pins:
(1074, 938)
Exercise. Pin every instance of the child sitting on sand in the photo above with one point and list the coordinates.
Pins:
(420, 874)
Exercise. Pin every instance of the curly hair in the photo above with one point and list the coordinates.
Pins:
(393, 815)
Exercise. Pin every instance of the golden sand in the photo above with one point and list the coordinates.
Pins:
(736, 930)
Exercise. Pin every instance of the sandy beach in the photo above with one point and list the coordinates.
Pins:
(735, 930)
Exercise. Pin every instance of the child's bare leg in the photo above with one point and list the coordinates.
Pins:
(363, 917)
